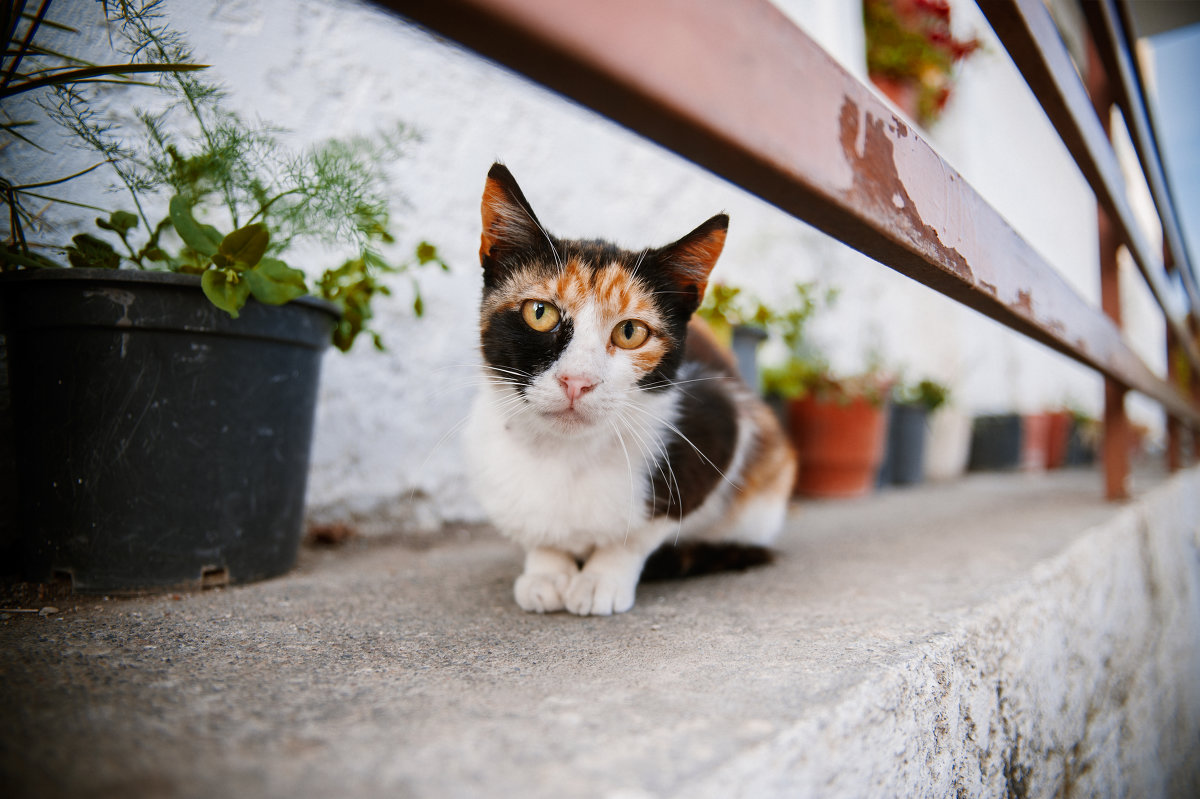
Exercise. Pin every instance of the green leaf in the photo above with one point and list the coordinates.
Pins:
(90, 252)
(246, 245)
(118, 221)
(426, 252)
(204, 239)
(273, 282)
(30, 261)
(225, 289)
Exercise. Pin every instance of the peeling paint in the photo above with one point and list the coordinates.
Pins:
(1024, 303)
(877, 187)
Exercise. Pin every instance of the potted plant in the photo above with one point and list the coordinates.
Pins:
(1082, 439)
(908, 426)
(911, 53)
(948, 442)
(837, 424)
(738, 321)
(996, 442)
(161, 414)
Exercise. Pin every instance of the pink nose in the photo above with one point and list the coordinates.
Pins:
(575, 386)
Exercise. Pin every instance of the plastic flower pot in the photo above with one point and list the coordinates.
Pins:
(840, 444)
(995, 442)
(949, 444)
(744, 341)
(904, 459)
(157, 442)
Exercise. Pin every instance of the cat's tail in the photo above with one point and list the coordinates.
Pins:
(697, 558)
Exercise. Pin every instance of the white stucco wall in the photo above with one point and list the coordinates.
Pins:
(387, 422)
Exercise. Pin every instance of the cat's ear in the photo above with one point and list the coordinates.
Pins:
(689, 261)
(509, 224)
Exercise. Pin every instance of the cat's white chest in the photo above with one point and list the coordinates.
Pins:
(571, 493)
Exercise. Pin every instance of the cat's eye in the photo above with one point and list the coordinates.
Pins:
(541, 316)
(630, 334)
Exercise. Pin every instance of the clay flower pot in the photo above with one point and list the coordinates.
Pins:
(1057, 438)
(840, 444)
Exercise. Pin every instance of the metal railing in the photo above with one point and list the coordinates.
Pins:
(745, 93)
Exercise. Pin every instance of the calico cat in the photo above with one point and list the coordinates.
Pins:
(611, 424)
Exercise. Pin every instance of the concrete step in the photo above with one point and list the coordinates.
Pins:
(1004, 635)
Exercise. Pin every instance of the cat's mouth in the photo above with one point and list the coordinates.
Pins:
(570, 419)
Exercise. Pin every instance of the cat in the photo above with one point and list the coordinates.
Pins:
(610, 423)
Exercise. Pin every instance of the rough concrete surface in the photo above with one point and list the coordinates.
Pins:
(1005, 635)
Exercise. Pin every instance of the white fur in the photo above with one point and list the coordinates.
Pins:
(572, 483)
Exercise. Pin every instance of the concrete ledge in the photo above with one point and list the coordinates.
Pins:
(1004, 635)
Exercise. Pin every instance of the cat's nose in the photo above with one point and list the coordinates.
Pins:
(575, 386)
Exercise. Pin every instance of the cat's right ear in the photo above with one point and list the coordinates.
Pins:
(509, 224)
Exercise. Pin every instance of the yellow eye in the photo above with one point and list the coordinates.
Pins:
(541, 316)
(630, 334)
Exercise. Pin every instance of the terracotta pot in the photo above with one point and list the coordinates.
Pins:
(1035, 441)
(1056, 439)
(840, 445)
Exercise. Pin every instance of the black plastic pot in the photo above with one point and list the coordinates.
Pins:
(995, 442)
(904, 462)
(157, 442)
(744, 342)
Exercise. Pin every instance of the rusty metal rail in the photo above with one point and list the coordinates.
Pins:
(1110, 29)
(1031, 39)
(737, 88)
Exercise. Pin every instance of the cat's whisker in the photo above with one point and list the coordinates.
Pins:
(662, 462)
(632, 485)
(689, 442)
(668, 383)
(508, 371)
(638, 263)
(456, 428)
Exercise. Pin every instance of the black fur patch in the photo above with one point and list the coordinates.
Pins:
(696, 558)
(683, 480)
(510, 344)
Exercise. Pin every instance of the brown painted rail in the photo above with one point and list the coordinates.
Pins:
(1031, 39)
(1110, 28)
(734, 86)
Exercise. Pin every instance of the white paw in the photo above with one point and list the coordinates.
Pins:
(599, 594)
(540, 592)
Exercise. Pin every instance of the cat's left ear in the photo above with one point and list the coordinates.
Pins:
(690, 260)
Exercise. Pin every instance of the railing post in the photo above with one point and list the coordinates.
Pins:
(1176, 375)
(1194, 329)
(1174, 428)
(1115, 447)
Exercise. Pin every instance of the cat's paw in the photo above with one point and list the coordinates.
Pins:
(599, 594)
(540, 592)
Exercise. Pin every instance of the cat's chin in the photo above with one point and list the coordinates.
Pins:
(570, 422)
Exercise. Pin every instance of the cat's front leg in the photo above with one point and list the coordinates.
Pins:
(608, 582)
(543, 585)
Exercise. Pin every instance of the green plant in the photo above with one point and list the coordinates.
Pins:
(928, 394)
(235, 199)
(909, 42)
(30, 68)
(804, 369)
